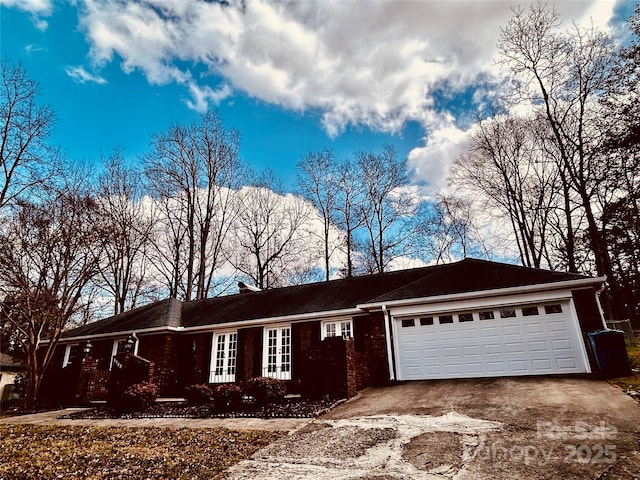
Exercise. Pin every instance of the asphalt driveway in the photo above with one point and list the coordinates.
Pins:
(564, 428)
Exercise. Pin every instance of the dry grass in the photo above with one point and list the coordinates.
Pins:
(34, 451)
(633, 350)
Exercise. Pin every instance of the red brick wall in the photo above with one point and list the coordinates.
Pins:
(329, 369)
(160, 350)
(101, 351)
(304, 337)
(202, 357)
(370, 351)
(97, 385)
(587, 310)
(128, 370)
(191, 357)
(249, 353)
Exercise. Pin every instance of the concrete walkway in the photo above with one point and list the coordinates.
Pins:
(52, 418)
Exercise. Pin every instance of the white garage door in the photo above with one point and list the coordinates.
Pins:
(533, 339)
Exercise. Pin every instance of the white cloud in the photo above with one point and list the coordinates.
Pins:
(373, 63)
(202, 96)
(43, 7)
(431, 163)
(80, 75)
(34, 49)
(37, 8)
(370, 63)
(598, 14)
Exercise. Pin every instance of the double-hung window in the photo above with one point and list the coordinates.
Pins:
(337, 328)
(277, 352)
(224, 355)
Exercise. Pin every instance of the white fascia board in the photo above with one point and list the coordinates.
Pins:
(120, 334)
(540, 287)
(345, 313)
(433, 308)
(334, 314)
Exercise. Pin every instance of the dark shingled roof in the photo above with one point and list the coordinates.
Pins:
(299, 299)
(471, 275)
(464, 276)
(165, 313)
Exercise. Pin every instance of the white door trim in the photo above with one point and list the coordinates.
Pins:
(226, 371)
(277, 352)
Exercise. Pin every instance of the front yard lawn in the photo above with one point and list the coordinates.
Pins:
(631, 384)
(48, 452)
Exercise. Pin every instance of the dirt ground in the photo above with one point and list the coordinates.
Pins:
(555, 428)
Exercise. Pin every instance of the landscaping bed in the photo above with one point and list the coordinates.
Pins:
(48, 452)
(289, 408)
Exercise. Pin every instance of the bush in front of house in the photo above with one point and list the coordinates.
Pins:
(198, 394)
(137, 397)
(227, 395)
(266, 390)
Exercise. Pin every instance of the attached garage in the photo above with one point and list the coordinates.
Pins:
(530, 338)
(472, 318)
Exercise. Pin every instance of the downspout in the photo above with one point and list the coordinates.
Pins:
(387, 335)
(598, 292)
(136, 344)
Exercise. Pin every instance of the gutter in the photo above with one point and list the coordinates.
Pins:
(351, 312)
(564, 285)
(122, 333)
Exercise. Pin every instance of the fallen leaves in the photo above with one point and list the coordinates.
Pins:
(43, 452)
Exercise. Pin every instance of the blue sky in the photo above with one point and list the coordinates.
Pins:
(291, 77)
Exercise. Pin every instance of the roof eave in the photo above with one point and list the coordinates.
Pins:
(120, 333)
(538, 287)
(219, 326)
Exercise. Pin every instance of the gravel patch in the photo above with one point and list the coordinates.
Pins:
(366, 448)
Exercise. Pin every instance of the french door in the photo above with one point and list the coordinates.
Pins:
(224, 354)
(277, 354)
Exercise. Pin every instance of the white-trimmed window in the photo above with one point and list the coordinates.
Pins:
(224, 356)
(72, 354)
(337, 328)
(120, 346)
(276, 360)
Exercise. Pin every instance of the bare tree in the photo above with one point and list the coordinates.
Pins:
(504, 165)
(126, 227)
(563, 76)
(385, 204)
(49, 253)
(348, 212)
(448, 231)
(269, 237)
(168, 251)
(620, 198)
(318, 182)
(25, 127)
(192, 172)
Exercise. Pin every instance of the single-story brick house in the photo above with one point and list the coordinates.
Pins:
(472, 318)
